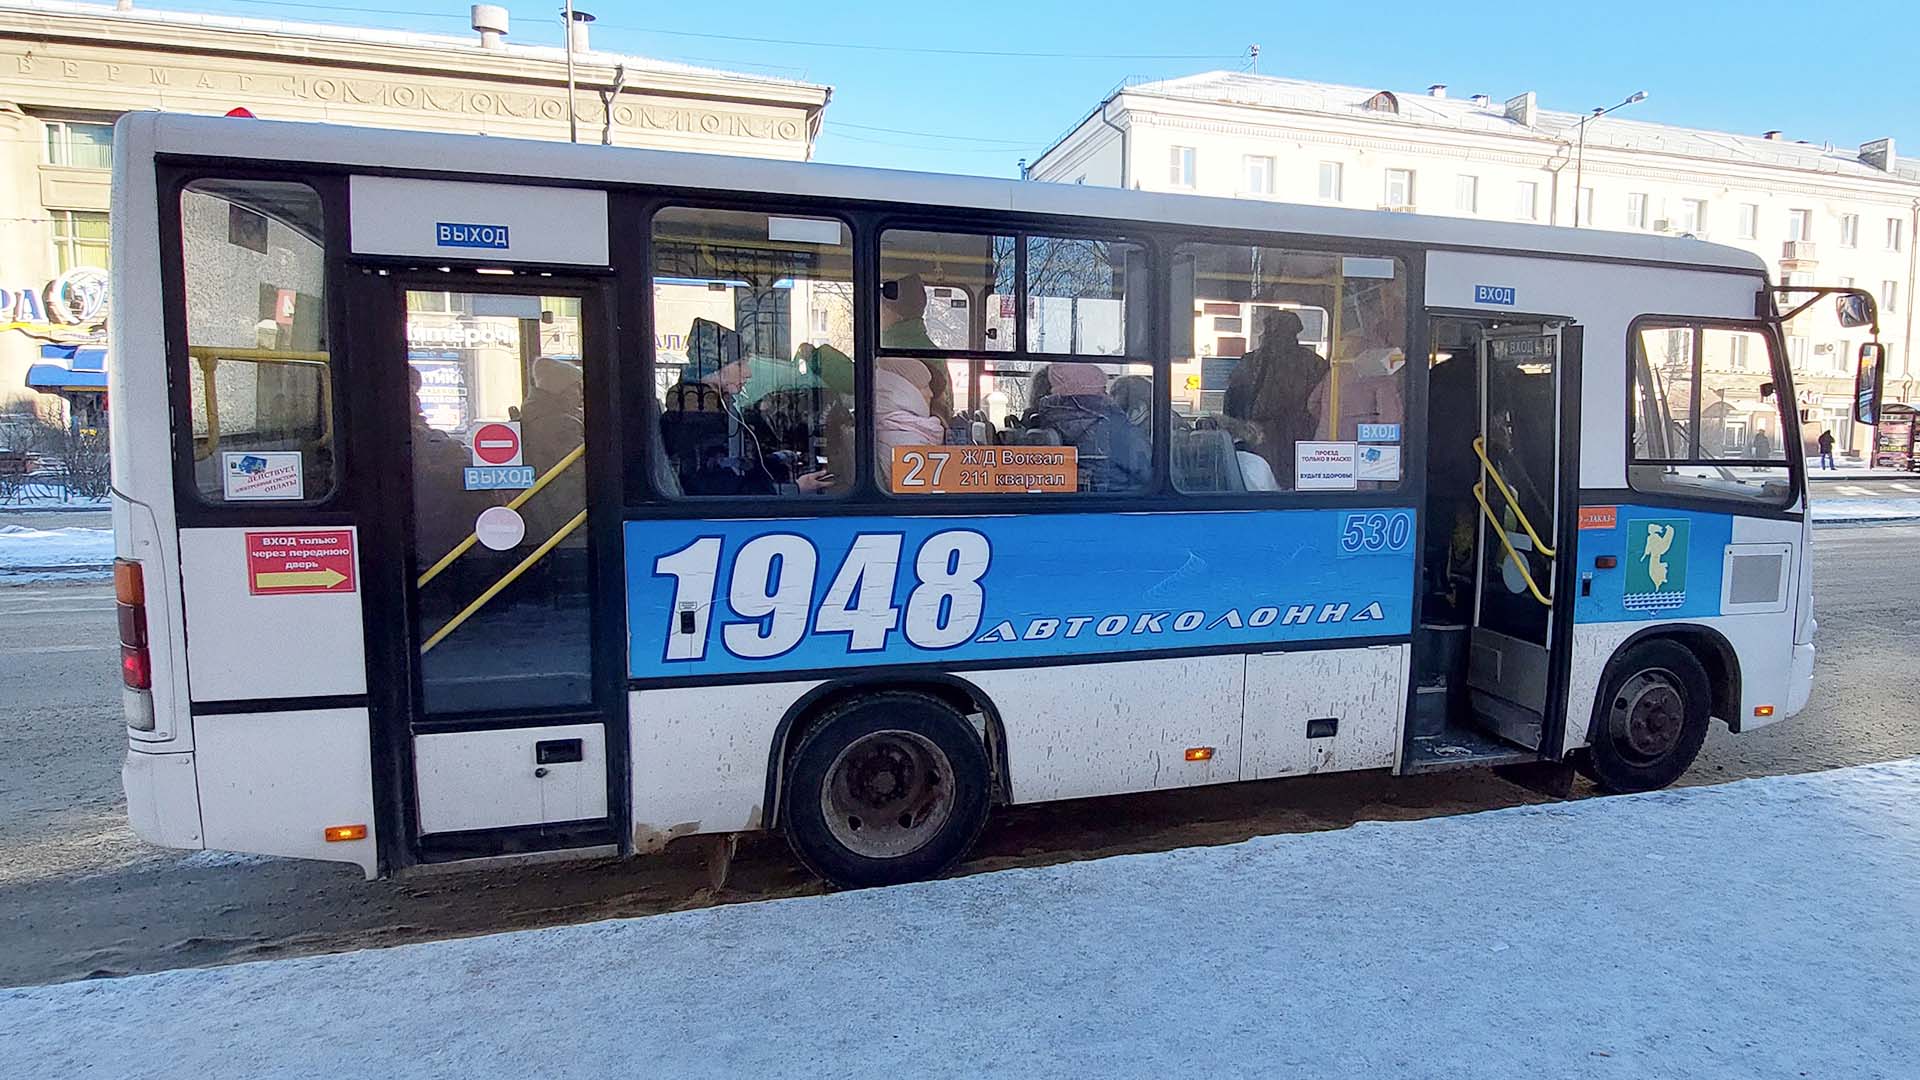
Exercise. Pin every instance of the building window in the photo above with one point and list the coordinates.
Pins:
(1737, 352)
(1889, 296)
(1399, 188)
(1527, 204)
(1180, 167)
(1849, 230)
(79, 145)
(1799, 225)
(1894, 233)
(1636, 210)
(1584, 209)
(1258, 175)
(79, 239)
(1466, 195)
(1693, 216)
(1797, 352)
(1330, 180)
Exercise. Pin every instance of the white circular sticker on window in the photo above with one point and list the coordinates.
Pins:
(500, 527)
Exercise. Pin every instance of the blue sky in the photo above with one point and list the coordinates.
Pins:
(977, 107)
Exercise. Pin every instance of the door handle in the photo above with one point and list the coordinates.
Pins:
(556, 751)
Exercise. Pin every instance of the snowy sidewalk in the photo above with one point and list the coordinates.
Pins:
(29, 554)
(1761, 928)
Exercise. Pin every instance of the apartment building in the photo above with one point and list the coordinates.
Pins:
(1815, 212)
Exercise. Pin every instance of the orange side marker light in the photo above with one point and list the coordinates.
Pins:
(1199, 753)
(338, 833)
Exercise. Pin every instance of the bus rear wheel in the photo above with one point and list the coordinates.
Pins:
(1650, 719)
(886, 788)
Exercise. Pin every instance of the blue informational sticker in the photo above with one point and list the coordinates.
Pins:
(1379, 433)
(463, 235)
(499, 477)
(1493, 294)
(728, 597)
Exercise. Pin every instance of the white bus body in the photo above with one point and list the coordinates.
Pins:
(294, 701)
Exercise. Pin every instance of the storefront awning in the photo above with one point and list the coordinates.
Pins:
(70, 368)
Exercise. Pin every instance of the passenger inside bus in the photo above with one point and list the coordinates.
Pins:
(443, 509)
(902, 410)
(1276, 390)
(722, 446)
(1370, 353)
(1077, 410)
(552, 426)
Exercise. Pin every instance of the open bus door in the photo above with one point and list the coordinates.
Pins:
(1491, 651)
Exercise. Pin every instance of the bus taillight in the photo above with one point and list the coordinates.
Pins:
(130, 604)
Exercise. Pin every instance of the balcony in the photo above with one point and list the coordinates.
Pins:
(1797, 255)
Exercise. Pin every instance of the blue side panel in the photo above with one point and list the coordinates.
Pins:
(1668, 564)
(726, 597)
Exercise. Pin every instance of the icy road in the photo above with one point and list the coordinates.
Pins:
(1760, 928)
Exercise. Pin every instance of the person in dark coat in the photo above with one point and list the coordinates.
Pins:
(1272, 390)
(552, 426)
(1114, 455)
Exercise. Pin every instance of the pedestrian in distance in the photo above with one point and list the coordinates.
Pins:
(1826, 449)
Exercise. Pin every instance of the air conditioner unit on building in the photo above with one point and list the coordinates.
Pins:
(1662, 225)
(1823, 348)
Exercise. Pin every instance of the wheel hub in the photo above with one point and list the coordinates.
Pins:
(887, 794)
(1648, 716)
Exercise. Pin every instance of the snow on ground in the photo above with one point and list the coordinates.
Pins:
(1830, 510)
(30, 554)
(1761, 928)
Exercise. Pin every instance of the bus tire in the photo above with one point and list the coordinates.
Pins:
(1650, 719)
(887, 787)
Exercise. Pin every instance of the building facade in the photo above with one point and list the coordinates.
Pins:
(1815, 213)
(67, 70)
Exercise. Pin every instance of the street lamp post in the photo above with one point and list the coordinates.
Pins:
(569, 19)
(1580, 155)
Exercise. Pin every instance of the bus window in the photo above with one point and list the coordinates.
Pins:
(753, 353)
(1706, 416)
(1041, 427)
(1279, 352)
(1078, 302)
(946, 291)
(259, 380)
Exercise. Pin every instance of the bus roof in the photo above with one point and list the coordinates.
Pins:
(482, 157)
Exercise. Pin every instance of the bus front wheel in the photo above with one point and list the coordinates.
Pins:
(888, 787)
(1649, 720)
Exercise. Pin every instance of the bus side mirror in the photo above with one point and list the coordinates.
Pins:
(1853, 309)
(1868, 376)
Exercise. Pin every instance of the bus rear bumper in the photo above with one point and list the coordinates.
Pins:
(163, 800)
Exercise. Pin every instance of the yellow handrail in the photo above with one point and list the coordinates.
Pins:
(461, 548)
(1480, 493)
(1513, 501)
(511, 576)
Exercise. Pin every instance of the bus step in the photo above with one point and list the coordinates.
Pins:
(1460, 748)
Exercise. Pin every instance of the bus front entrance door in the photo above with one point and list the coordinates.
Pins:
(510, 699)
(1518, 497)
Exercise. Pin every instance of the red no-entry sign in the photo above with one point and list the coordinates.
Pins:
(497, 443)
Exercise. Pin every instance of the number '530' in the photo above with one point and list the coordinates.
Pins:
(769, 593)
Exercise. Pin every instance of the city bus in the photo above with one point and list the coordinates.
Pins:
(482, 499)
